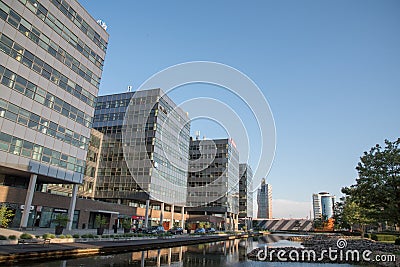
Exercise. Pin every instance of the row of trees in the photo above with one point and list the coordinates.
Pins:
(375, 198)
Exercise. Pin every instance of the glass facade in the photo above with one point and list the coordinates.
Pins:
(213, 176)
(245, 191)
(38, 37)
(40, 124)
(47, 92)
(145, 148)
(323, 205)
(87, 189)
(264, 201)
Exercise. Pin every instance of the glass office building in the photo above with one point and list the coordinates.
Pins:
(264, 201)
(323, 205)
(145, 149)
(87, 188)
(213, 180)
(245, 191)
(51, 60)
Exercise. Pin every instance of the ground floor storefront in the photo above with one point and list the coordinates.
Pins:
(45, 208)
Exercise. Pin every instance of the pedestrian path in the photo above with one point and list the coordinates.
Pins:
(42, 231)
(17, 253)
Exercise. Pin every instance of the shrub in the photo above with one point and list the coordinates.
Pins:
(366, 235)
(25, 236)
(85, 236)
(2, 237)
(95, 236)
(68, 236)
(397, 241)
(374, 237)
(46, 236)
(90, 236)
(386, 237)
(5, 215)
(12, 237)
(61, 236)
(61, 220)
(76, 236)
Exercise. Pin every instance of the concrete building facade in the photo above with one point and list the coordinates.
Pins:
(51, 61)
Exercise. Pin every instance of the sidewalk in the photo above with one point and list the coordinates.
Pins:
(40, 231)
(17, 253)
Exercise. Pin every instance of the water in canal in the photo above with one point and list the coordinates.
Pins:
(224, 253)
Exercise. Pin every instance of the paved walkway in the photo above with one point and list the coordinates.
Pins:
(27, 252)
(41, 231)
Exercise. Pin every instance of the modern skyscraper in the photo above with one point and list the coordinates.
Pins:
(264, 201)
(323, 204)
(145, 150)
(246, 192)
(51, 62)
(213, 180)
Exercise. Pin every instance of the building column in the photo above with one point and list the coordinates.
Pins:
(183, 217)
(162, 213)
(237, 222)
(28, 201)
(226, 222)
(172, 216)
(146, 220)
(71, 209)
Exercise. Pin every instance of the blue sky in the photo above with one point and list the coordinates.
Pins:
(330, 71)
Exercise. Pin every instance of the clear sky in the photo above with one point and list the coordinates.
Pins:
(330, 71)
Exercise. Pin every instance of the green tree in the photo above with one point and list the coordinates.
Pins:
(318, 223)
(5, 216)
(355, 214)
(100, 221)
(377, 188)
(340, 220)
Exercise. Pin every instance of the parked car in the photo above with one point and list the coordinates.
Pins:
(139, 230)
(176, 231)
(200, 231)
(210, 230)
(155, 230)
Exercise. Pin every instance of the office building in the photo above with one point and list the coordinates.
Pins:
(144, 157)
(87, 188)
(323, 205)
(246, 194)
(264, 201)
(213, 180)
(51, 61)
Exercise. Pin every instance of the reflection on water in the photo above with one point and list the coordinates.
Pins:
(276, 241)
(224, 253)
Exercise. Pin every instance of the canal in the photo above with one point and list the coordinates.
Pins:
(223, 253)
